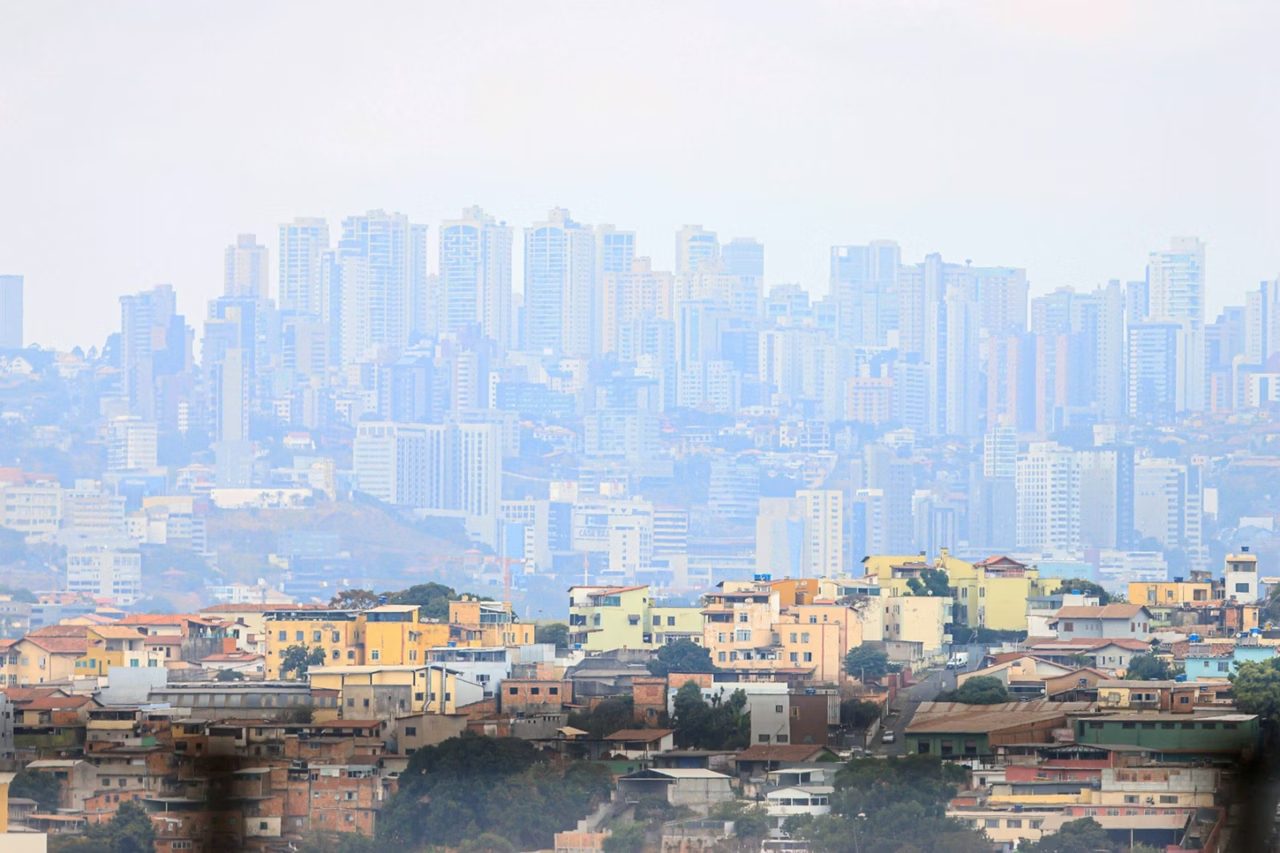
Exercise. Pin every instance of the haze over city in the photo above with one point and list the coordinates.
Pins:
(639, 427)
(1066, 138)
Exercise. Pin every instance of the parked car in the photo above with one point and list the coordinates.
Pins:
(887, 736)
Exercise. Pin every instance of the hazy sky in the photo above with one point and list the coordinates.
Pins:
(136, 139)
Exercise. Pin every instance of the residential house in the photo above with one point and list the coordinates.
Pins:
(1111, 622)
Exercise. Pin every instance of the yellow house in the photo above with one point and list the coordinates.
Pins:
(1170, 593)
(41, 659)
(603, 618)
(916, 619)
(378, 692)
(340, 633)
(473, 622)
(116, 645)
(395, 635)
(991, 593)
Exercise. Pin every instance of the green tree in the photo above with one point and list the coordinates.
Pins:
(751, 823)
(130, 831)
(470, 785)
(432, 599)
(610, 715)
(355, 599)
(1087, 587)
(933, 582)
(625, 838)
(1256, 688)
(718, 724)
(44, 788)
(486, 842)
(981, 690)
(298, 659)
(552, 632)
(681, 656)
(336, 842)
(857, 714)
(890, 806)
(864, 661)
(1148, 668)
(229, 675)
(1077, 836)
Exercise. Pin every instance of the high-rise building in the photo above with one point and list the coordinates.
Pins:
(627, 297)
(131, 444)
(155, 349)
(475, 275)
(1153, 371)
(743, 258)
(11, 312)
(559, 286)
(823, 513)
(696, 248)
(303, 243)
(863, 286)
(1047, 481)
(1168, 507)
(245, 269)
(453, 468)
(1175, 292)
(370, 280)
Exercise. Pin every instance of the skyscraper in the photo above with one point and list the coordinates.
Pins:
(475, 275)
(559, 286)
(245, 270)
(303, 243)
(743, 258)
(154, 342)
(11, 312)
(863, 287)
(375, 263)
(696, 248)
(1047, 480)
(1175, 288)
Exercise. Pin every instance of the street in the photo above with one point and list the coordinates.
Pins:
(931, 683)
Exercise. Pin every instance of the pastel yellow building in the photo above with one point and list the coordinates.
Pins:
(991, 593)
(41, 659)
(395, 635)
(116, 645)
(603, 618)
(738, 622)
(473, 622)
(1170, 593)
(340, 633)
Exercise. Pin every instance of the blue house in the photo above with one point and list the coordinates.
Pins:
(1203, 665)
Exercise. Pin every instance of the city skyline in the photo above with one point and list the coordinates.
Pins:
(1061, 161)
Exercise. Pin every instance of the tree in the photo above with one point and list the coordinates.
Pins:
(889, 806)
(298, 659)
(432, 599)
(864, 662)
(750, 822)
(355, 599)
(486, 842)
(681, 656)
(612, 714)
(857, 714)
(981, 690)
(229, 675)
(932, 582)
(1256, 687)
(336, 842)
(44, 788)
(130, 831)
(1148, 668)
(1077, 836)
(718, 724)
(556, 633)
(470, 785)
(626, 838)
(1086, 587)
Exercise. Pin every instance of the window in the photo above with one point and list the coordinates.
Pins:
(315, 636)
(777, 709)
(742, 617)
(808, 657)
(336, 637)
(262, 824)
(410, 731)
(764, 738)
(991, 823)
(1013, 823)
(283, 636)
(535, 691)
(1130, 798)
(297, 636)
(1168, 799)
(784, 738)
(512, 691)
(376, 654)
(671, 621)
